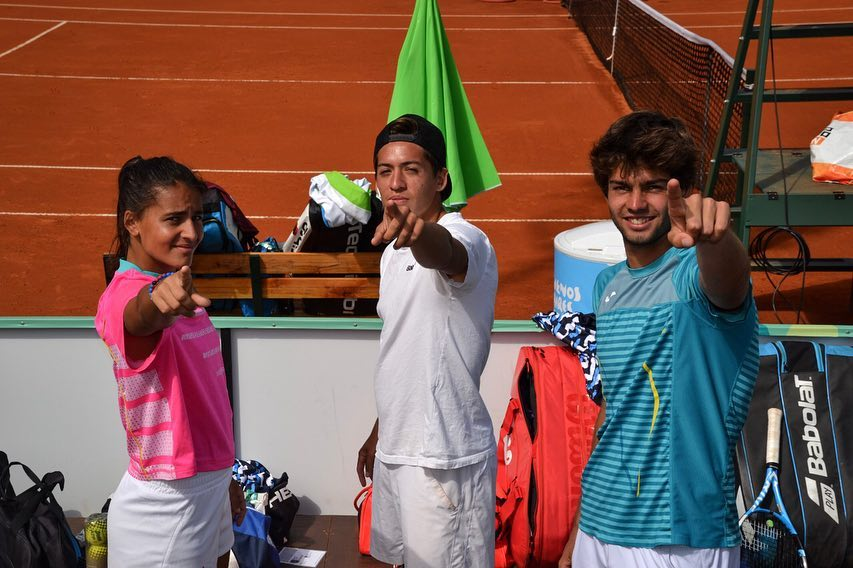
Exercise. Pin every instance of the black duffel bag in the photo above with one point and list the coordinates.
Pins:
(813, 385)
(33, 530)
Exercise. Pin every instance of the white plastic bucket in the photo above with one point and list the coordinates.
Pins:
(579, 255)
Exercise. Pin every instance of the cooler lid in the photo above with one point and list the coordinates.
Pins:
(598, 242)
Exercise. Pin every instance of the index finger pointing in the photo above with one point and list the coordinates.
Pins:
(199, 300)
(378, 234)
(675, 198)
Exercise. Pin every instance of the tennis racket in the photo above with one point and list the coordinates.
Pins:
(768, 538)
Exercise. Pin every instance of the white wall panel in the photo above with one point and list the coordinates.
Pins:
(303, 402)
(58, 411)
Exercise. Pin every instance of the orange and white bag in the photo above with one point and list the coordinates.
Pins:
(832, 151)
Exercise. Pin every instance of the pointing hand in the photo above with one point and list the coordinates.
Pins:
(176, 296)
(398, 222)
(695, 218)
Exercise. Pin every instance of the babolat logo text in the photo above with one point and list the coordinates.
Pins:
(825, 495)
(811, 435)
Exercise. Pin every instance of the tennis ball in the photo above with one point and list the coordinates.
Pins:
(95, 530)
(96, 556)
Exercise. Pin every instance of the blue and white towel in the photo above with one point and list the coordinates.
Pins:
(576, 330)
(253, 476)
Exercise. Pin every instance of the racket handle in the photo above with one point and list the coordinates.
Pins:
(774, 437)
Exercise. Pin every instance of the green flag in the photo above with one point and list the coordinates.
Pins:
(428, 84)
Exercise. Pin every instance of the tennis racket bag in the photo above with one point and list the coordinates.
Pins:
(544, 444)
(813, 385)
(311, 234)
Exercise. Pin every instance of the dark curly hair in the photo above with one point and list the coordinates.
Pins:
(646, 140)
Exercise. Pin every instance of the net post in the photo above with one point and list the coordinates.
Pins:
(612, 57)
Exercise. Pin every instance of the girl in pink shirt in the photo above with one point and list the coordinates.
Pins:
(175, 503)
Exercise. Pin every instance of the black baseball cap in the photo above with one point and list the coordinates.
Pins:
(426, 135)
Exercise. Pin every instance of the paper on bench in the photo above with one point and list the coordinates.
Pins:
(301, 556)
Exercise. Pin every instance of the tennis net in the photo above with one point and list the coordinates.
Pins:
(660, 65)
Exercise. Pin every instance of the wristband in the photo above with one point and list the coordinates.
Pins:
(155, 282)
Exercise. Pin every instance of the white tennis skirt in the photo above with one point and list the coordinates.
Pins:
(180, 523)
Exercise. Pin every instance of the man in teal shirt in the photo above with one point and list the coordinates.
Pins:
(678, 347)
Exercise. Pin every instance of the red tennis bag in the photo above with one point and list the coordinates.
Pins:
(544, 445)
(363, 504)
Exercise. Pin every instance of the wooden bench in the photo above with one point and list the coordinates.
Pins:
(283, 275)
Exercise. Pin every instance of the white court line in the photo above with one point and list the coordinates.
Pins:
(775, 11)
(358, 81)
(385, 15)
(32, 39)
(46, 214)
(280, 81)
(374, 15)
(293, 217)
(270, 27)
(275, 172)
(239, 13)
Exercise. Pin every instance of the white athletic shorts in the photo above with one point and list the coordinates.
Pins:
(592, 553)
(434, 518)
(180, 523)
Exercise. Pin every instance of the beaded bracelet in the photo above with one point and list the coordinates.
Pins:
(157, 281)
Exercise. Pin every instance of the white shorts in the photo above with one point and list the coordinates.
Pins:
(434, 518)
(180, 523)
(592, 553)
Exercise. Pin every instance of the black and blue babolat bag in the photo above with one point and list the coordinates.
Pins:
(226, 228)
(813, 385)
(33, 530)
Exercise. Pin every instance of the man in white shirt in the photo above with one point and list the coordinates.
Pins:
(434, 466)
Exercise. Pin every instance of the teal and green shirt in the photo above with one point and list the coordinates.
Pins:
(677, 375)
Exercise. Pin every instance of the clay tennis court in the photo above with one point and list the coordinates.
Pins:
(259, 96)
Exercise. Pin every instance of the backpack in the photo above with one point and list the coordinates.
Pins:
(813, 385)
(281, 508)
(544, 444)
(33, 530)
(226, 228)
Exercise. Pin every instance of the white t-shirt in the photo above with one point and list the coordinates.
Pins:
(435, 341)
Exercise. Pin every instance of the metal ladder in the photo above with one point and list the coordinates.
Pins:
(786, 194)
